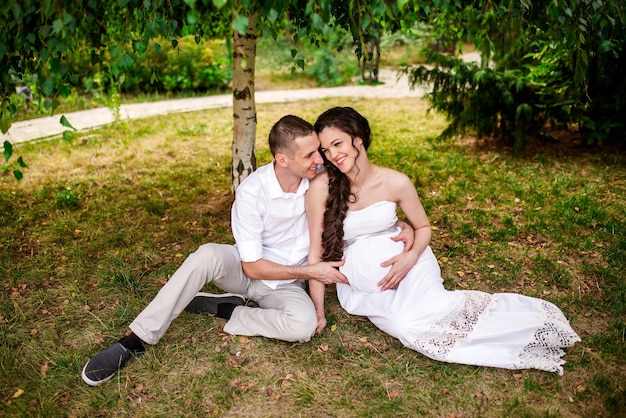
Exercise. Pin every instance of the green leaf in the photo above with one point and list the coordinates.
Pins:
(219, 3)
(21, 163)
(365, 22)
(64, 90)
(57, 25)
(5, 124)
(192, 18)
(8, 150)
(241, 24)
(317, 21)
(272, 15)
(115, 51)
(300, 63)
(18, 175)
(115, 69)
(379, 9)
(126, 61)
(44, 54)
(47, 86)
(66, 123)
(139, 46)
(68, 136)
(294, 52)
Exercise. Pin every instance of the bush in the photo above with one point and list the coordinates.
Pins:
(162, 68)
(187, 67)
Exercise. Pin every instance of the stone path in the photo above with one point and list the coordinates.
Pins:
(47, 127)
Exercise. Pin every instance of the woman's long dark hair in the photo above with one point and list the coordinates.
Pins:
(351, 122)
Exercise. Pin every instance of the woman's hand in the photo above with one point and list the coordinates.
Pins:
(400, 266)
(321, 323)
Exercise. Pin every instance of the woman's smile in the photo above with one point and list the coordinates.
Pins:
(339, 161)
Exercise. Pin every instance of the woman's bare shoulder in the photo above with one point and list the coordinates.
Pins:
(319, 182)
(394, 175)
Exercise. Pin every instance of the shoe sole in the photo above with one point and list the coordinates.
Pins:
(94, 382)
(221, 295)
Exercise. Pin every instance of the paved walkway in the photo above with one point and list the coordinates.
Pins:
(47, 127)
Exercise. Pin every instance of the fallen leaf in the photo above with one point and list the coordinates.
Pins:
(43, 369)
(18, 393)
(323, 347)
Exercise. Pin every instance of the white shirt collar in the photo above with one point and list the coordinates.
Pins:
(274, 186)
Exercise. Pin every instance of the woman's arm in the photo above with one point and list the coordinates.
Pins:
(315, 206)
(405, 194)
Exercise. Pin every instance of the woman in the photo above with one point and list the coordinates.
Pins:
(351, 208)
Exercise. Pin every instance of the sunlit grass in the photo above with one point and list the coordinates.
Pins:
(97, 226)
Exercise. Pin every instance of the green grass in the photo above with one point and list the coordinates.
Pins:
(97, 226)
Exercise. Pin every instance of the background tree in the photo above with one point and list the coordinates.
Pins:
(547, 62)
(39, 36)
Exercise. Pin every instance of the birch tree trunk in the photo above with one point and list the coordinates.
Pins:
(244, 109)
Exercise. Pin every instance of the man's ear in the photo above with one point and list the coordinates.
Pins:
(282, 160)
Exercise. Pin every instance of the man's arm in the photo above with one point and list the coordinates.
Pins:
(324, 272)
(406, 235)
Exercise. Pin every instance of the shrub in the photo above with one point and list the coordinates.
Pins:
(162, 68)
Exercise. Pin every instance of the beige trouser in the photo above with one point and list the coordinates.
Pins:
(285, 313)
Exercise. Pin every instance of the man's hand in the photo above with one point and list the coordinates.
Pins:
(327, 272)
(400, 266)
(406, 235)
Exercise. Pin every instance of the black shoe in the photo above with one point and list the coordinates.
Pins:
(103, 366)
(208, 303)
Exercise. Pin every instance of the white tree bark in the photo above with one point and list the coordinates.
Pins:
(244, 109)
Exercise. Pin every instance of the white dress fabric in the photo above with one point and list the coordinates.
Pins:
(461, 326)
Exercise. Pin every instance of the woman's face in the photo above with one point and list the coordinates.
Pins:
(337, 147)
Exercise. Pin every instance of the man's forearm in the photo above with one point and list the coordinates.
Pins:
(268, 270)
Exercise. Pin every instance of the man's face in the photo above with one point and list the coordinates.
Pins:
(306, 158)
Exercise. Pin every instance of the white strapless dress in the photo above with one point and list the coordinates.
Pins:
(462, 326)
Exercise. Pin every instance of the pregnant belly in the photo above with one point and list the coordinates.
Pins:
(362, 262)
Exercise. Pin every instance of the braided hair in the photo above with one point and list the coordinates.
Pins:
(351, 122)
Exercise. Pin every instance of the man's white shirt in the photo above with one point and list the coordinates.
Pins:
(269, 223)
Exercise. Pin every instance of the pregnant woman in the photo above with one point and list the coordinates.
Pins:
(351, 208)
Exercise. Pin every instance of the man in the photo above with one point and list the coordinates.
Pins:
(267, 264)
